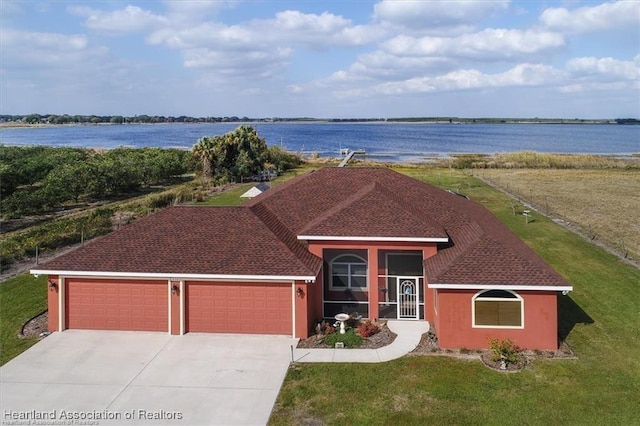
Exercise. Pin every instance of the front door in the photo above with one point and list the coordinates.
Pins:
(408, 296)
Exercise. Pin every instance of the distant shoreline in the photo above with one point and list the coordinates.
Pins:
(18, 125)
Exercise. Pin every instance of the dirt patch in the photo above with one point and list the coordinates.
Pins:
(36, 327)
(382, 338)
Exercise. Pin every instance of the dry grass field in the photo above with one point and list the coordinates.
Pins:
(604, 204)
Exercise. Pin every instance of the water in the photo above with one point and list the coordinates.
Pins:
(382, 141)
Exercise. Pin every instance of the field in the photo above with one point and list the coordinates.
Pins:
(600, 318)
(603, 204)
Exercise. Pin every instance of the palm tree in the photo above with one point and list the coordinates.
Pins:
(203, 151)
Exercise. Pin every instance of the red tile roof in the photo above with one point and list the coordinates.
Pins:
(261, 238)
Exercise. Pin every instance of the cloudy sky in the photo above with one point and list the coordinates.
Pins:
(338, 58)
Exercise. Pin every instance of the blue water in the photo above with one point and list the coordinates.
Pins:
(382, 141)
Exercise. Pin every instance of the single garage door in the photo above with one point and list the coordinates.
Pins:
(116, 304)
(239, 308)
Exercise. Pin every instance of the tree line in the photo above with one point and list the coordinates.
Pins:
(36, 179)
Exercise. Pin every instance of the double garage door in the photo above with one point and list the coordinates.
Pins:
(143, 305)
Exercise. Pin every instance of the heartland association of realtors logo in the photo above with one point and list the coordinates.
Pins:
(91, 417)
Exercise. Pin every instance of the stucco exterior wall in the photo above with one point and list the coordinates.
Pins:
(52, 304)
(453, 322)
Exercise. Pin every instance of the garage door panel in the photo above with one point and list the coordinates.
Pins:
(116, 304)
(239, 308)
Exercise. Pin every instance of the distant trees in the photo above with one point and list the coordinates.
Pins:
(239, 154)
(37, 179)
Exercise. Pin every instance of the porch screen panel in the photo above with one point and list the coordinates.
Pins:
(409, 264)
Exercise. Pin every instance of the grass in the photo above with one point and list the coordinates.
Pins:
(21, 298)
(601, 318)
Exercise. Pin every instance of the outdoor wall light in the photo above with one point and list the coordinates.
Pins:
(52, 285)
(300, 292)
(174, 289)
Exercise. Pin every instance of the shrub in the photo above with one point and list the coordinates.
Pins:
(368, 328)
(325, 328)
(350, 339)
(505, 350)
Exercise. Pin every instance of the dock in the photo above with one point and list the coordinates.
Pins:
(349, 155)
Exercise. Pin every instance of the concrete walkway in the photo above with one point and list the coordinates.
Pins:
(409, 334)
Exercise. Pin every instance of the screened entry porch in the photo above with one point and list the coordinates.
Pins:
(398, 283)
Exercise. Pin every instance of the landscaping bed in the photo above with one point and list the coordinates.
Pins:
(382, 337)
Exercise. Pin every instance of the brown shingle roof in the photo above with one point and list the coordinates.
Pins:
(192, 240)
(261, 238)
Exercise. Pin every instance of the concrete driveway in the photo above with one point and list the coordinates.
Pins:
(102, 377)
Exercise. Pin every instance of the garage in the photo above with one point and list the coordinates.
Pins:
(134, 305)
(255, 308)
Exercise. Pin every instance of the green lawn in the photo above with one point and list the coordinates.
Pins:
(601, 317)
(21, 298)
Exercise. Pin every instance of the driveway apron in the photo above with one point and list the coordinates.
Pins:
(104, 378)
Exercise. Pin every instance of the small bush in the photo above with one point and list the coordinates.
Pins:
(368, 328)
(324, 328)
(505, 350)
(350, 339)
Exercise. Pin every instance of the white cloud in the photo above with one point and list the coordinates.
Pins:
(520, 75)
(429, 16)
(127, 20)
(34, 49)
(606, 16)
(605, 68)
(486, 45)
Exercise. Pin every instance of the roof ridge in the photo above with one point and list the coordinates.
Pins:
(279, 188)
(288, 238)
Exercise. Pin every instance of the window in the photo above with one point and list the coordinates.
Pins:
(498, 309)
(348, 272)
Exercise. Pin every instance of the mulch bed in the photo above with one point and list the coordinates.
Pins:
(382, 338)
(35, 327)
(429, 346)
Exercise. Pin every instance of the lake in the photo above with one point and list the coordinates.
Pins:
(381, 141)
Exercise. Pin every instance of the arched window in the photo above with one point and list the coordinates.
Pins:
(348, 271)
(498, 309)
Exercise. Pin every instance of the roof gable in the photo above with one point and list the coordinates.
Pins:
(373, 212)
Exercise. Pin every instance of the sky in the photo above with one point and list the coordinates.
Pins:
(322, 59)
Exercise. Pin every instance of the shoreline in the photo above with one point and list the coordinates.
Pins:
(590, 122)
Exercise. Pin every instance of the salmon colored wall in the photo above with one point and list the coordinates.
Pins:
(52, 304)
(175, 308)
(301, 309)
(454, 323)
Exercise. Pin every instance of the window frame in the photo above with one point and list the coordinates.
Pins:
(516, 299)
(349, 275)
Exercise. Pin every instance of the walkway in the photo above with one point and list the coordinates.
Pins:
(409, 334)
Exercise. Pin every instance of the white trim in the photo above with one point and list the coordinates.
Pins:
(514, 287)
(169, 300)
(497, 299)
(336, 260)
(293, 308)
(61, 303)
(182, 305)
(354, 238)
(152, 275)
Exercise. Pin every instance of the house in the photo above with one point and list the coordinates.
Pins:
(255, 190)
(365, 240)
